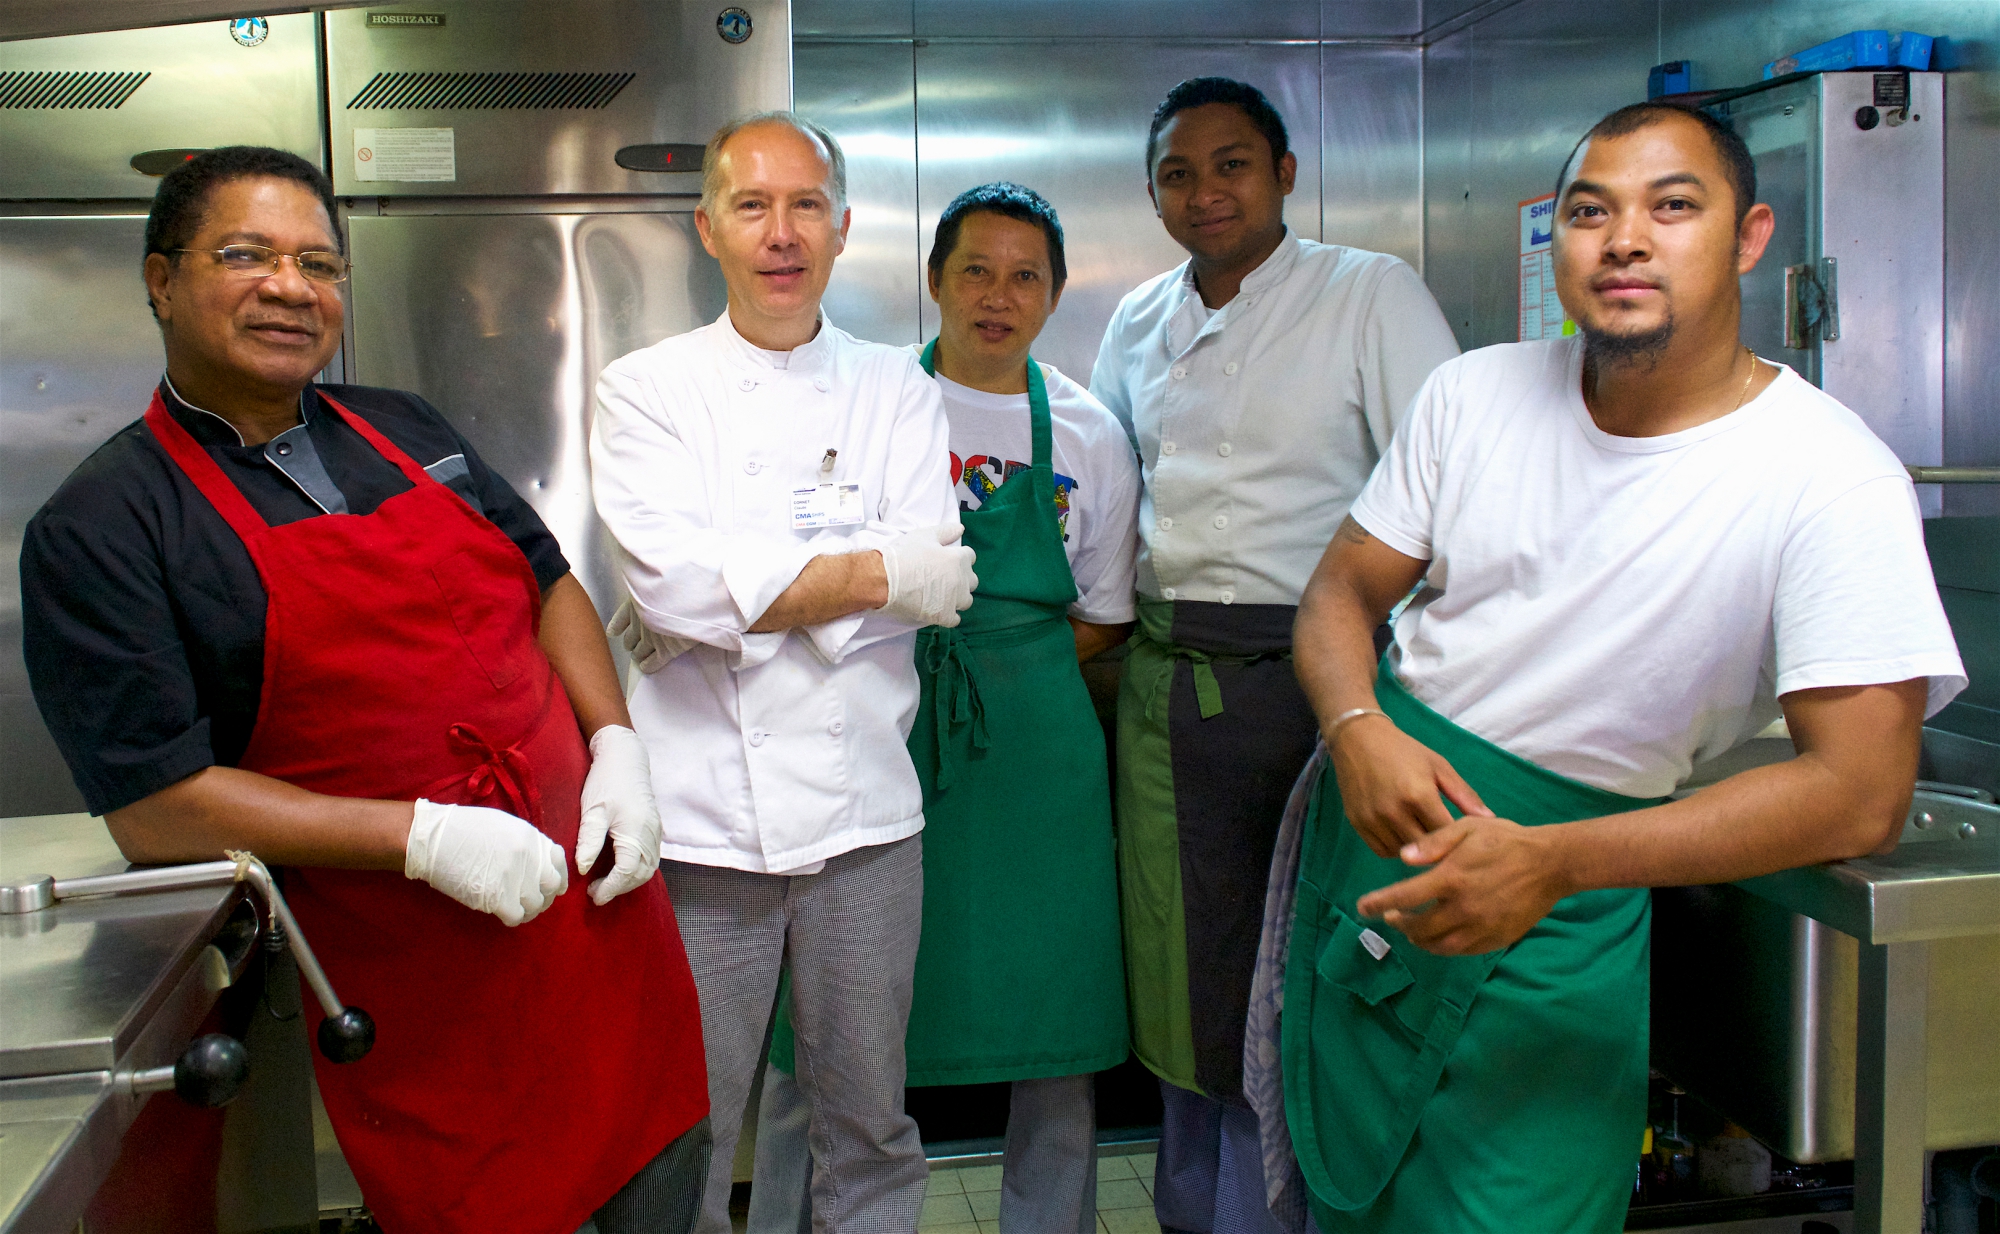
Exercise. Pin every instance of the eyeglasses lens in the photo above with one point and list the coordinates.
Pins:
(254, 260)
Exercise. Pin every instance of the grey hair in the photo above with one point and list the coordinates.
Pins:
(711, 158)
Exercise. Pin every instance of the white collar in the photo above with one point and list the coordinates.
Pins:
(1269, 272)
(814, 353)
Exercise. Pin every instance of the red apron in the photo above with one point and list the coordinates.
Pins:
(519, 1076)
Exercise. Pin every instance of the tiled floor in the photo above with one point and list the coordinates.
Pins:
(967, 1200)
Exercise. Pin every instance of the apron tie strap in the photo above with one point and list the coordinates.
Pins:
(1207, 690)
(958, 701)
(504, 772)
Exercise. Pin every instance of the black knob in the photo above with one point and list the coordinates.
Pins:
(348, 1036)
(1866, 118)
(211, 1070)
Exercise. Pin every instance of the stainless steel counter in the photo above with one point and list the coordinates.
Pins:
(95, 989)
(1897, 905)
(1948, 888)
(1763, 1009)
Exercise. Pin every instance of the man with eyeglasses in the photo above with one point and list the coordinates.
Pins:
(307, 621)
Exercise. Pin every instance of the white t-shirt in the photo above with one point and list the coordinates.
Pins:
(1097, 480)
(1616, 609)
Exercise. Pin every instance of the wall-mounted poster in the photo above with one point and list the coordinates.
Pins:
(1541, 312)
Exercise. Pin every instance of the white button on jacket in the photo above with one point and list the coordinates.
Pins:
(769, 751)
(1276, 407)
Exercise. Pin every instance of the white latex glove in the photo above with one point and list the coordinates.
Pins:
(930, 576)
(485, 859)
(618, 801)
(649, 649)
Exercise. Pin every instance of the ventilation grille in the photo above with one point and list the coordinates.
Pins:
(49, 89)
(488, 91)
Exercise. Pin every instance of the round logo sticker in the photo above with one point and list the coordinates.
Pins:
(733, 24)
(249, 31)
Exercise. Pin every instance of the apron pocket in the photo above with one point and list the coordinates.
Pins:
(1380, 1031)
(494, 624)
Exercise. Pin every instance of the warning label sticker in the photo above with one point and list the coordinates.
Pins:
(405, 154)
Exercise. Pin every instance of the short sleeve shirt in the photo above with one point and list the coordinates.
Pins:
(1097, 480)
(142, 612)
(1616, 609)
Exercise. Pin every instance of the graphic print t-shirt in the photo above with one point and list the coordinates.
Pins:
(1097, 480)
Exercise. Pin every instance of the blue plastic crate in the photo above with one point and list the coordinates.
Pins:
(1857, 49)
(1909, 50)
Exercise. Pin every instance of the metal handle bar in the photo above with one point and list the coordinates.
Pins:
(347, 1032)
(1954, 475)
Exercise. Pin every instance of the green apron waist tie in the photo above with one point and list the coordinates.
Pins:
(945, 653)
(1156, 619)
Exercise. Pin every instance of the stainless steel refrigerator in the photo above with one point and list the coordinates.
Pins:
(548, 228)
(79, 353)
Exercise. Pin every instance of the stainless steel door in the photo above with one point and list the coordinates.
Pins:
(79, 355)
(503, 321)
(525, 97)
(1781, 126)
(74, 110)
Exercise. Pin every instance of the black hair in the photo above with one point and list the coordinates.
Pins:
(1736, 161)
(1201, 91)
(1001, 197)
(182, 198)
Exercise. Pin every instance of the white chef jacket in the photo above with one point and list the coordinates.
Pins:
(1258, 423)
(770, 752)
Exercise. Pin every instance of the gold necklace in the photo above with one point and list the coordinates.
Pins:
(1745, 392)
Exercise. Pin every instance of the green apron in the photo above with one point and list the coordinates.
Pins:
(1019, 973)
(1503, 1092)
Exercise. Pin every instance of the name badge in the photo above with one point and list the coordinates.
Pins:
(826, 505)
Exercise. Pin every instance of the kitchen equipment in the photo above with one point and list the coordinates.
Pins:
(524, 178)
(1845, 1010)
(1850, 291)
(110, 975)
(79, 353)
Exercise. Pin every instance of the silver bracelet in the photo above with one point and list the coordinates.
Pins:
(1341, 721)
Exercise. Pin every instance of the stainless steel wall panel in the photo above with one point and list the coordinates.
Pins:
(1536, 76)
(1371, 149)
(686, 81)
(1370, 18)
(202, 88)
(79, 355)
(865, 93)
(1450, 259)
(1054, 117)
(1117, 19)
(851, 19)
(504, 321)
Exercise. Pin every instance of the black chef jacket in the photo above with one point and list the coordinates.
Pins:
(142, 613)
